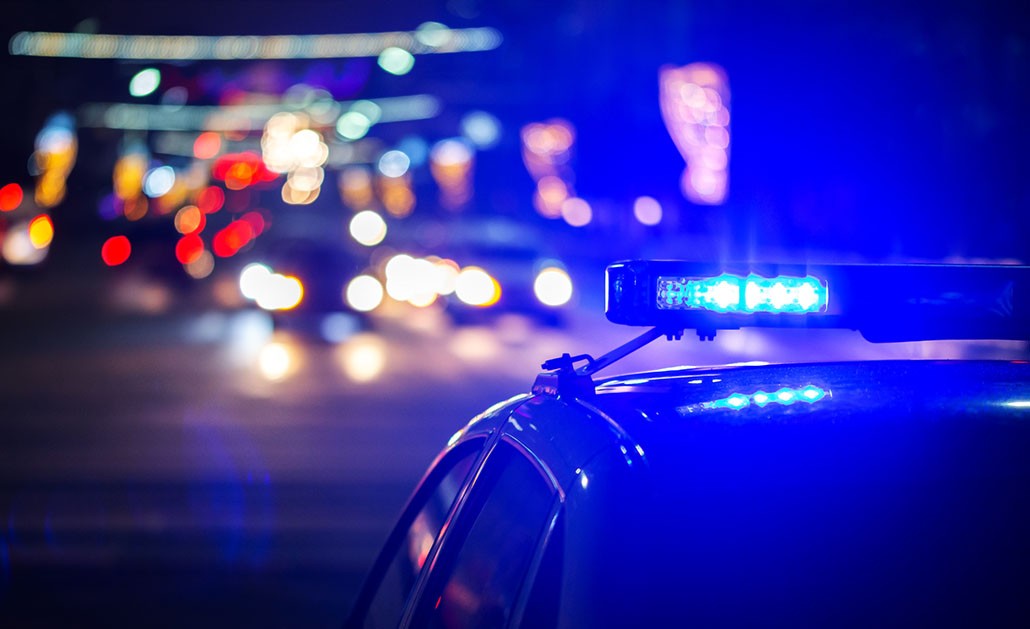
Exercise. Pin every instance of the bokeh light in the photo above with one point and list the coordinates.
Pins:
(475, 287)
(41, 231)
(207, 145)
(396, 60)
(553, 287)
(368, 228)
(211, 199)
(188, 249)
(280, 292)
(576, 212)
(189, 219)
(145, 82)
(364, 293)
(276, 361)
(363, 357)
(11, 197)
(482, 129)
(394, 163)
(695, 103)
(158, 181)
(202, 266)
(18, 248)
(115, 250)
(647, 211)
(252, 278)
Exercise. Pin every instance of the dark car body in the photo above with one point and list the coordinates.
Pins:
(848, 494)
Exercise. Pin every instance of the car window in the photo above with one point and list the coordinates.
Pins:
(479, 585)
(413, 548)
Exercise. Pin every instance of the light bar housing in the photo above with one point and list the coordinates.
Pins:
(884, 302)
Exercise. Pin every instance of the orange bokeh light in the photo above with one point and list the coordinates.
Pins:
(189, 220)
(207, 145)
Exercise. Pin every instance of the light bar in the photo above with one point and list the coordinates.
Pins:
(883, 302)
(754, 293)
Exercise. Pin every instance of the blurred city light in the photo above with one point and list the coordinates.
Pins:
(188, 47)
(695, 103)
(189, 219)
(363, 357)
(230, 239)
(482, 129)
(410, 279)
(450, 162)
(158, 181)
(394, 163)
(476, 287)
(188, 249)
(355, 183)
(276, 361)
(576, 212)
(553, 287)
(445, 276)
(271, 291)
(364, 293)
(353, 125)
(56, 151)
(241, 118)
(647, 211)
(396, 60)
(368, 228)
(115, 250)
(145, 82)
(18, 248)
(202, 266)
(211, 199)
(547, 155)
(41, 231)
(279, 292)
(207, 145)
(432, 34)
(253, 278)
(397, 195)
(11, 197)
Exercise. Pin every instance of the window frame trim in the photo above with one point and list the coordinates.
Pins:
(416, 600)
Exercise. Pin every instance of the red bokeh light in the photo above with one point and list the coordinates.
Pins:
(256, 222)
(11, 196)
(189, 248)
(235, 236)
(211, 199)
(207, 145)
(116, 250)
(239, 170)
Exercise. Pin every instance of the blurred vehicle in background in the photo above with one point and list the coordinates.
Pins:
(302, 283)
(493, 267)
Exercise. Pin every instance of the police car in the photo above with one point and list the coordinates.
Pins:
(868, 494)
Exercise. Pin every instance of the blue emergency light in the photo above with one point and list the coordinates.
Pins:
(883, 302)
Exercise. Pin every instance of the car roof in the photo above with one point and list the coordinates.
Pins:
(659, 409)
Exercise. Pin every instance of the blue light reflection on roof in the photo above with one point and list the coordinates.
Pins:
(784, 396)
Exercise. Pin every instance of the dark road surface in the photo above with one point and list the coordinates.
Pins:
(200, 471)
